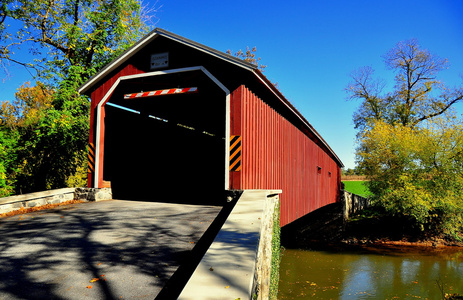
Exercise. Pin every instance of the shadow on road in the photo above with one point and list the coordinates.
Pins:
(104, 250)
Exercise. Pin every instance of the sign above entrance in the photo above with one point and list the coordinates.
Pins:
(161, 92)
(159, 60)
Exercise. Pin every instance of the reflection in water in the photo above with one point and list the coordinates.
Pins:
(370, 273)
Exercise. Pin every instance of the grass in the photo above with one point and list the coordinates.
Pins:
(276, 254)
(357, 187)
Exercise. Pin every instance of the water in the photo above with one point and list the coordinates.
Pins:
(371, 273)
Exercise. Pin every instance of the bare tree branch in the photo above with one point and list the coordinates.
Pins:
(413, 99)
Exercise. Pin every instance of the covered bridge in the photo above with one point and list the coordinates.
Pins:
(173, 118)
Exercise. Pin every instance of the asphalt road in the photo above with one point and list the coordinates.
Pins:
(99, 250)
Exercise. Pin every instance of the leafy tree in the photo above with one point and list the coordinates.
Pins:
(71, 36)
(7, 159)
(70, 40)
(249, 56)
(417, 96)
(26, 108)
(417, 172)
(16, 118)
(3, 14)
(47, 141)
(355, 171)
(349, 171)
(410, 143)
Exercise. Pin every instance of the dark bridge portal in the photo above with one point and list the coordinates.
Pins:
(169, 146)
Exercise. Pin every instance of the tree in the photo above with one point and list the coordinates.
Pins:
(348, 172)
(7, 159)
(70, 40)
(16, 119)
(27, 106)
(47, 142)
(410, 142)
(249, 56)
(417, 96)
(417, 173)
(62, 34)
(3, 14)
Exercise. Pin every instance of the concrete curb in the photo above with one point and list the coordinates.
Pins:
(228, 269)
(12, 203)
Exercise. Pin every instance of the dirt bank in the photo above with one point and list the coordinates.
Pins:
(326, 226)
(383, 230)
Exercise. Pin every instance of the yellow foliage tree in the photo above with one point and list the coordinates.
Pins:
(25, 109)
(417, 172)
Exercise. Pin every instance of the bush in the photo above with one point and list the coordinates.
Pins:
(417, 173)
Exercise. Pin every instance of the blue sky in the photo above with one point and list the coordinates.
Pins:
(311, 47)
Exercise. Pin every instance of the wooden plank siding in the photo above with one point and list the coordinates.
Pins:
(277, 155)
(96, 96)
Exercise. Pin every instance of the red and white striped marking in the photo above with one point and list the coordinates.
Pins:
(161, 92)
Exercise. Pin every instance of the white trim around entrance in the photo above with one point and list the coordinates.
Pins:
(106, 97)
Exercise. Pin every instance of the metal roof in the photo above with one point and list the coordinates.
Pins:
(86, 87)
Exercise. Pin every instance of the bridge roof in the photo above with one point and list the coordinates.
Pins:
(254, 76)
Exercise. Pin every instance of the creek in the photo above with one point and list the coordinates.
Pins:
(371, 272)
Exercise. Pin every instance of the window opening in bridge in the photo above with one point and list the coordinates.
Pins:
(186, 127)
(319, 170)
(329, 174)
(158, 118)
(123, 108)
(208, 133)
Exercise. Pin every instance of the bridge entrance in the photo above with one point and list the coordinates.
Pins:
(167, 146)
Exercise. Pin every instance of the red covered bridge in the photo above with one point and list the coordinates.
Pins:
(177, 117)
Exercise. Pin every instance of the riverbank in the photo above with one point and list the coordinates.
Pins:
(326, 227)
(435, 242)
(382, 230)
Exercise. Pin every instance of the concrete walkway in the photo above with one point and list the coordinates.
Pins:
(227, 269)
(102, 250)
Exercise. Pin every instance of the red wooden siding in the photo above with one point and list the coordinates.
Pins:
(277, 155)
(96, 96)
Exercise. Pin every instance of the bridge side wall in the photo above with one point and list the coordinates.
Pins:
(276, 154)
(18, 202)
(239, 262)
(353, 203)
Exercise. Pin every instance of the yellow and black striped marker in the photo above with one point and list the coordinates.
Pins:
(91, 158)
(235, 153)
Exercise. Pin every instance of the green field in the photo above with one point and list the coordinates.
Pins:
(357, 187)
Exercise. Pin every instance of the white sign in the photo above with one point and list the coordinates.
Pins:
(159, 60)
